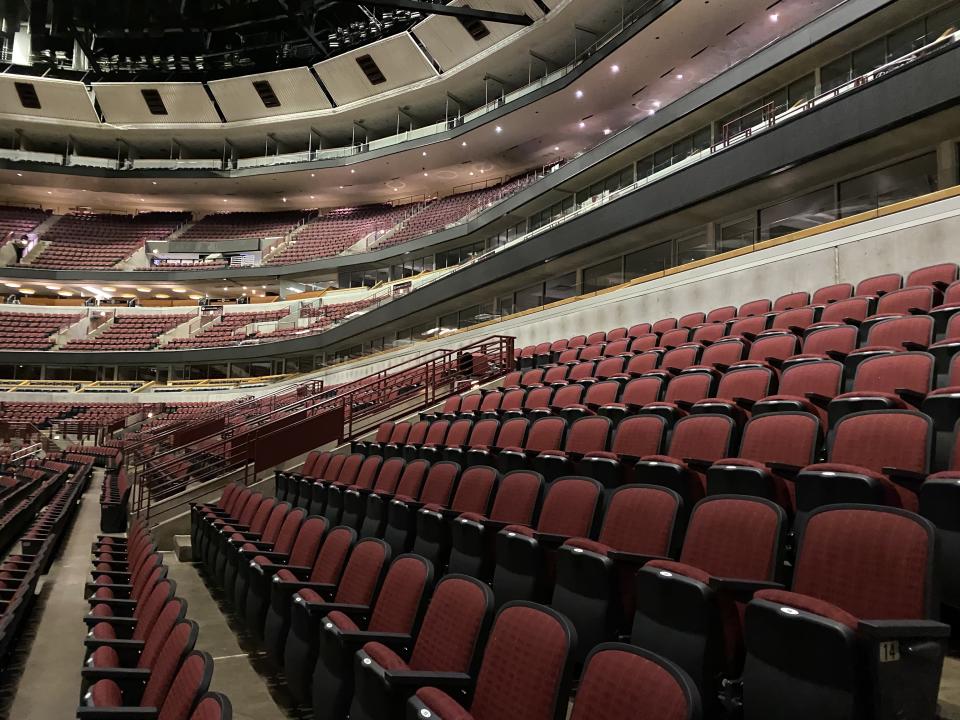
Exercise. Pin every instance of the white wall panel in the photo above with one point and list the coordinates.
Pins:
(296, 89)
(123, 103)
(399, 58)
(448, 42)
(59, 99)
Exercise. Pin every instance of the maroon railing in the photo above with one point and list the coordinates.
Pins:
(285, 430)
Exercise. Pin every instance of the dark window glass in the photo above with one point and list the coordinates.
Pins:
(800, 213)
(606, 274)
(529, 297)
(695, 247)
(737, 235)
(560, 288)
(869, 57)
(835, 74)
(902, 181)
(649, 260)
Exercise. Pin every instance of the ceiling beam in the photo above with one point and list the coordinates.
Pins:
(430, 8)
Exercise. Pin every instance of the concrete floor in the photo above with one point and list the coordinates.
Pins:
(52, 649)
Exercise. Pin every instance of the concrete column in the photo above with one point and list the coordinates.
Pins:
(947, 164)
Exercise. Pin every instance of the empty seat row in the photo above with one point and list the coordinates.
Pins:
(140, 658)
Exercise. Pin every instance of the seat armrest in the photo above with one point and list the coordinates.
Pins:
(907, 478)
(745, 403)
(817, 399)
(117, 644)
(348, 609)
(852, 321)
(119, 674)
(550, 540)
(742, 590)
(414, 679)
(117, 713)
(448, 514)
(355, 640)
(114, 603)
(914, 346)
(789, 471)
(698, 464)
(493, 526)
(895, 629)
(683, 404)
(91, 620)
(911, 396)
(836, 355)
(278, 557)
(324, 589)
(633, 559)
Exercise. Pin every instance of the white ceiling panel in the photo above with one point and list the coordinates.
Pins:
(296, 89)
(59, 99)
(449, 43)
(399, 59)
(123, 103)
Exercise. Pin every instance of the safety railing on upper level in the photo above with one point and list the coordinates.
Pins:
(165, 482)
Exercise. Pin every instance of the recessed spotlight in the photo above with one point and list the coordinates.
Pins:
(28, 291)
(656, 103)
(109, 289)
(162, 296)
(471, 174)
(19, 174)
(426, 175)
(463, 144)
(498, 129)
(153, 182)
(424, 153)
(195, 296)
(651, 111)
(774, 17)
(176, 289)
(578, 94)
(313, 174)
(141, 199)
(49, 192)
(581, 125)
(556, 148)
(311, 197)
(244, 287)
(614, 69)
(52, 287)
(225, 289)
(341, 187)
(224, 199)
(284, 199)
(352, 171)
(607, 131)
(679, 76)
(143, 289)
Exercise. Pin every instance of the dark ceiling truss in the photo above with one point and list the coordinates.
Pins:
(430, 8)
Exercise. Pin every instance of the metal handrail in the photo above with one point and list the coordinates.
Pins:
(417, 383)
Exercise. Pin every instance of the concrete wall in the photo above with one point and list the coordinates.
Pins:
(900, 241)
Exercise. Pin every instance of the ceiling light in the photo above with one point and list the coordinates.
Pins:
(578, 94)
(224, 199)
(128, 296)
(52, 287)
(352, 171)
(424, 153)
(143, 289)
(12, 285)
(341, 187)
(426, 175)
(154, 182)
(28, 291)
(196, 297)
(284, 199)
(607, 131)
(679, 76)
(311, 197)
(463, 144)
(651, 111)
(225, 289)
(65, 293)
(614, 69)
(244, 287)
(656, 103)
(263, 287)
(774, 17)
(162, 296)
(313, 174)
(581, 125)
(471, 174)
(293, 289)
(49, 192)
(141, 199)
(155, 251)
(556, 148)
(19, 174)
(109, 289)
(498, 129)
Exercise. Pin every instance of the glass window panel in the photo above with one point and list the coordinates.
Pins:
(889, 185)
(802, 90)
(649, 260)
(835, 74)
(702, 139)
(529, 297)
(218, 370)
(261, 368)
(695, 247)
(869, 57)
(560, 288)
(800, 213)
(905, 40)
(662, 158)
(737, 234)
(943, 22)
(505, 305)
(645, 167)
(240, 370)
(30, 372)
(606, 274)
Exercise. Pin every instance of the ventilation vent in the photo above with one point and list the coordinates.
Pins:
(266, 93)
(475, 27)
(154, 102)
(371, 70)
(28, 95)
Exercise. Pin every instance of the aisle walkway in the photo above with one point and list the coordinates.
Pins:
(53, 648)
(241, 672)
